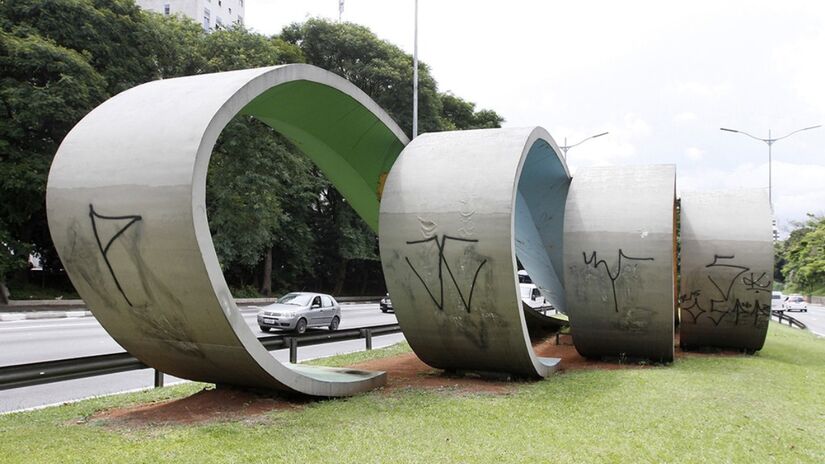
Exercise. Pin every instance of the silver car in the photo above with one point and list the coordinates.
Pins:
(795, 303)
(297, 311)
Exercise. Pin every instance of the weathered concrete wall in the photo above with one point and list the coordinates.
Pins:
(618, 261)
(726, 269)
(448, 234)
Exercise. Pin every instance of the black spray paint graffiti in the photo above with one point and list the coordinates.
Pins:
(94, 217)
(442, 264)
(613, 277)
(721, 304)
(756, 284)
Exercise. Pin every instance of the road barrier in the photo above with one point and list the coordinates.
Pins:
(792, 321)
(18, 306)
(25, 375)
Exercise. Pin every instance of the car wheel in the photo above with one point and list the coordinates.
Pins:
(334, 324)
(301, 326)
(384, 310)
(264, 329)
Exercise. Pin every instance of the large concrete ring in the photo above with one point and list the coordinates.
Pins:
(619, 274)
(457, 209)
(726, 269)
(126, 209)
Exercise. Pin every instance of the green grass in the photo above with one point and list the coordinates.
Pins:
(361, 356)
(751, 409)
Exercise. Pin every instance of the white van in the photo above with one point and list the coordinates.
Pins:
(776, 301)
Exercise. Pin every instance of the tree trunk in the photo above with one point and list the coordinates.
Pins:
(364, 282)
(4, 294)
(340, 276)
(266, 288)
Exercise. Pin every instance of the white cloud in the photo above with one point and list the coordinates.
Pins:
(660, 87)
(701, 89)
(797, 188)
(619, 146)
(801, 62)
(685, 116)
(694, 154)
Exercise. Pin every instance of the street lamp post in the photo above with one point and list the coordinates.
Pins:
(770, 141)
(415, 75)
(566, 147)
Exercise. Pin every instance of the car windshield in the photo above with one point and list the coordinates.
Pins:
(525, 292)
(297, 299)
(777, 297)
(797, 299)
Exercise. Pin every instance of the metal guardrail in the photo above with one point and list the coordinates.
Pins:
(64, 305)
(25, 375)
(792, 321)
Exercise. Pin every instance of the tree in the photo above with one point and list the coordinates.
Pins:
(459, 114)
(382, 70)
(44, 90)
(13, 257)
(58, 60)
(252, 167)
(276, 220)
(805, 256)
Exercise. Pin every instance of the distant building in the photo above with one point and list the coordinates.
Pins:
(775, 230)
(212, 14)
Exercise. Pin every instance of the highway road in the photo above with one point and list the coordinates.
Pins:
(49, 339)
(814, 318)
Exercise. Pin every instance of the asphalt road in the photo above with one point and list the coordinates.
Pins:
(814, 318)
(49, 339)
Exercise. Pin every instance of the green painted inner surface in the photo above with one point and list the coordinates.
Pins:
(347, 142)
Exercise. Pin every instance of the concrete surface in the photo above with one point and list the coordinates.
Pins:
(726, 269)
(450, 226)
(619, 248)
(126, 209)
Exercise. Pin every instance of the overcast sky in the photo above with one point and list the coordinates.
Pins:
(661, 78)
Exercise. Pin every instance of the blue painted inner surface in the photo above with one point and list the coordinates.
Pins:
(539, 220)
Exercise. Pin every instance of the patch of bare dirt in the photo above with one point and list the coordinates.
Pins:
(407, 371)
(212, 405)
(403, 371)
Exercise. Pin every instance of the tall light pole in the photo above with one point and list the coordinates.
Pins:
(770, 141)
(566, 147)
(415, 75)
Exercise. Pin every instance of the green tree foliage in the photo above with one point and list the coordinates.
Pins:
(44, 90)
(458, 114)
(382, 70)
(277, 222)
(112, 35)
(804, 255)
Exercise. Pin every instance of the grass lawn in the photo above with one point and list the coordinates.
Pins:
(704, 409)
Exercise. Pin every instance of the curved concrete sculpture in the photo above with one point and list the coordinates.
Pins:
(619, 272)
(726, 269)
(126, 208)
(539, 324)
(457, 208)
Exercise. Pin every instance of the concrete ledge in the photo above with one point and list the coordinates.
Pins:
(34, 315)
(41, 305)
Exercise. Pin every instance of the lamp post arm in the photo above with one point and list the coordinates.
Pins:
(768, 141)
(798, 130)
(586, 139)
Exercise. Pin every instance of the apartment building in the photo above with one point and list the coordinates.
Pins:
(212, 14)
